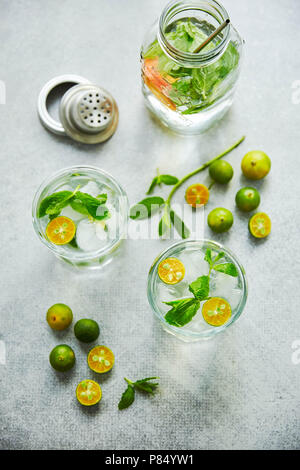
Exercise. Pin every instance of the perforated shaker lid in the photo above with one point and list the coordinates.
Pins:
(87, 112)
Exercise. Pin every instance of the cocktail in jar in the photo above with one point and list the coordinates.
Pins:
(187, 90)
(197, 288)
(80, 214)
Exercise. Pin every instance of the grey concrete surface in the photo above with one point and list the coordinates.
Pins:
(239, 391)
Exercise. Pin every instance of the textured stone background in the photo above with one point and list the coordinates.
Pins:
(240, 390)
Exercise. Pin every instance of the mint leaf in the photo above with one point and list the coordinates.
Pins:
(93, 205)
(127, 398)
(179, 225)
(146, 207)
(165, 222)
(152, 185)
(226, 268)
(78, 206)
(168, 179)
(146, 386)
(200, 287)
(208, 258)
(219, 256)
(55, 203)
(182, 312)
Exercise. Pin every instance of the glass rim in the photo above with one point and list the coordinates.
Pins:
(57, 249)
(174, 7)
(192, 334)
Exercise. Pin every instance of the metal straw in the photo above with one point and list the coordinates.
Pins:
(214, 34)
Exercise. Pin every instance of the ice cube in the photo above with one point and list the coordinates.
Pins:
(74, 215)
(195, 264)
(90, 235)
(112, 223)
(65, 187)
(91, 188)
(221, 285)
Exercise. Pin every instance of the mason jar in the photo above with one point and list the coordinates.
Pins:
(189, 91)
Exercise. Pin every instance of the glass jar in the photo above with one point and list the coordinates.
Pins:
(189, 91)
(96, 239)
(192, 254)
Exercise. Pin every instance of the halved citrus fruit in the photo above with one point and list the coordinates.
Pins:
(171, 270)
(60, 230)
(88, 392)
(197, 195)
(216, 311)
(260, 225)
(101, 359)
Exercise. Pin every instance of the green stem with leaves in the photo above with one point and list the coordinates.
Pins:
(201, 168)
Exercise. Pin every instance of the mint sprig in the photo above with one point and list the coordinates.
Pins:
(81, 202)
(143, 385)
(169, 180)
(184, 310)
(153, 204)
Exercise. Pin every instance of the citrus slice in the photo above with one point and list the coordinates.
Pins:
(158, 84)
(60, 230)
(171, 270)
(88, 392)
(101, 359)
(216, 311)
(260, 225)
(197, 195)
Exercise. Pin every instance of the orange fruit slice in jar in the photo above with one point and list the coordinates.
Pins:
(197, 195)
(171, 270)
(216, 311)
(88, 392)
(60, 230)
(158, 84)
(260, 225)
(101, 359)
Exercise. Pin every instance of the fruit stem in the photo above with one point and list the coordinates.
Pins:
(201, 168)
(128, 381)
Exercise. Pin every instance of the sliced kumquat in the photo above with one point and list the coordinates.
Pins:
(101, 359)
(197, 195)
(260, 225)
(88, 392)
(171, 270)
(60, 230)
(216, 311)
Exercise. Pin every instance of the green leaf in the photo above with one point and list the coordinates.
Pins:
(200, 287)
(55, 203)
(182, 312)
(152, 185)
(226, 268)
(78, 206)
(179, 225)
(207, 257)
(165, 222)
(146, 207)
(146, 386)
(94, 205)
(168, 179)
(127, 398)
(219, 256)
